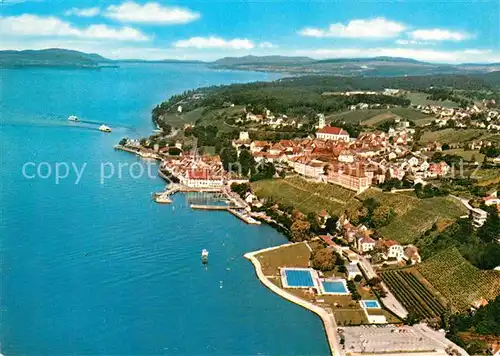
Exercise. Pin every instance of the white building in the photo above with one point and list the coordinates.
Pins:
(332, 133)
(353, 271)
(201, 178)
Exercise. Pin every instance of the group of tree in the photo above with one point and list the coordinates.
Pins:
(484, 322)
(490, 151)
(323, 259)
(351, 286)
(478, 246)
(241, 189)
(429, 191)
(372, 214)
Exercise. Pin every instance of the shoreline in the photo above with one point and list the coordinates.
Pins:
(329, 323)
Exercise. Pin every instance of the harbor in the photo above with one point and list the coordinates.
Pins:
(233, 205)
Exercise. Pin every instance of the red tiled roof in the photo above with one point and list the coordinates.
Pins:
(197, 174)
(333, 131)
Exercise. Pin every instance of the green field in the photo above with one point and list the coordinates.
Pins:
(206, 117)
(451, 135)
(413, 215)
(304, 195)
(466, 155)
(414, 296)
(373, 117)
(421, 99)
(458, 280)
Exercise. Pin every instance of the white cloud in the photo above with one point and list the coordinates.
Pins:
(151, 12)
(430, 55)
(412, 42)
(87, 12)
(214, 42)
(437, 34)
(38, 26)
(267, 45)
(370, 28)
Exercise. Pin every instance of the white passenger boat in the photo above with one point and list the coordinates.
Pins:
(104, 128)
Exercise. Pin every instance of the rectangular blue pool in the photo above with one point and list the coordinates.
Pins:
(370, 304)
(334, 287)
(299, 278)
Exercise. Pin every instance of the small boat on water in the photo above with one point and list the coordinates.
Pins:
(73, 118)
(104, 128)
(204, 256)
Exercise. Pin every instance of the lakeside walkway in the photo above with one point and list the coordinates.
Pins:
(328, 319)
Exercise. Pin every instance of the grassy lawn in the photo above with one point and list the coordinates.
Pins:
(458, 280)
(289, 256)
(413, 216)
(466, 155)
(451, 135)
(421, 99)
(304, 195)
(350, 317)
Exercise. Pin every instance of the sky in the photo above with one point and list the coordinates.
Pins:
(445, 31)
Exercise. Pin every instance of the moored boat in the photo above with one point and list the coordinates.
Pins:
(73, 118)
(204, 256)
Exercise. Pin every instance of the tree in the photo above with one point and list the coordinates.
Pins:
(247, 163)
(358, 278)
(300, 230)
(228, 156)
(490, 231)
(240, 189)
(411, 318)
(382, 215)
(123, 141)
(323, 259)
(174, 151)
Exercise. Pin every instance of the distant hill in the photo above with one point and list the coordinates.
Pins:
(345, 67)
(377, 66)
(53, 57)
(262, 60)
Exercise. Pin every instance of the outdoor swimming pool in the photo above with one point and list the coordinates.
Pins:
(297, 278)
(334, 287)
(370, 304)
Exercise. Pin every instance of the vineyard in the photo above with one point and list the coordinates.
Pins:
(304, 195)
(413, 216)
(414, 296)
(459, 281)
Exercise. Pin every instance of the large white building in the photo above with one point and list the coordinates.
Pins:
(332, 133)
(201, 178)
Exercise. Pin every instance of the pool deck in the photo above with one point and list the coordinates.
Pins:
(328, 319)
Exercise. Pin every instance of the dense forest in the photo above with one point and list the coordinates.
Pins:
(302, 96)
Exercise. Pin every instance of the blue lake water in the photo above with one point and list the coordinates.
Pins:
(100, 269)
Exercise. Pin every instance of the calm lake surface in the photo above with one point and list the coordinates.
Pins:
(100, 269)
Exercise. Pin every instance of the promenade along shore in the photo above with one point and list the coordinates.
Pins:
(327, 318)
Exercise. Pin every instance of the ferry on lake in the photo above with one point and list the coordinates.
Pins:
(104, 128)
